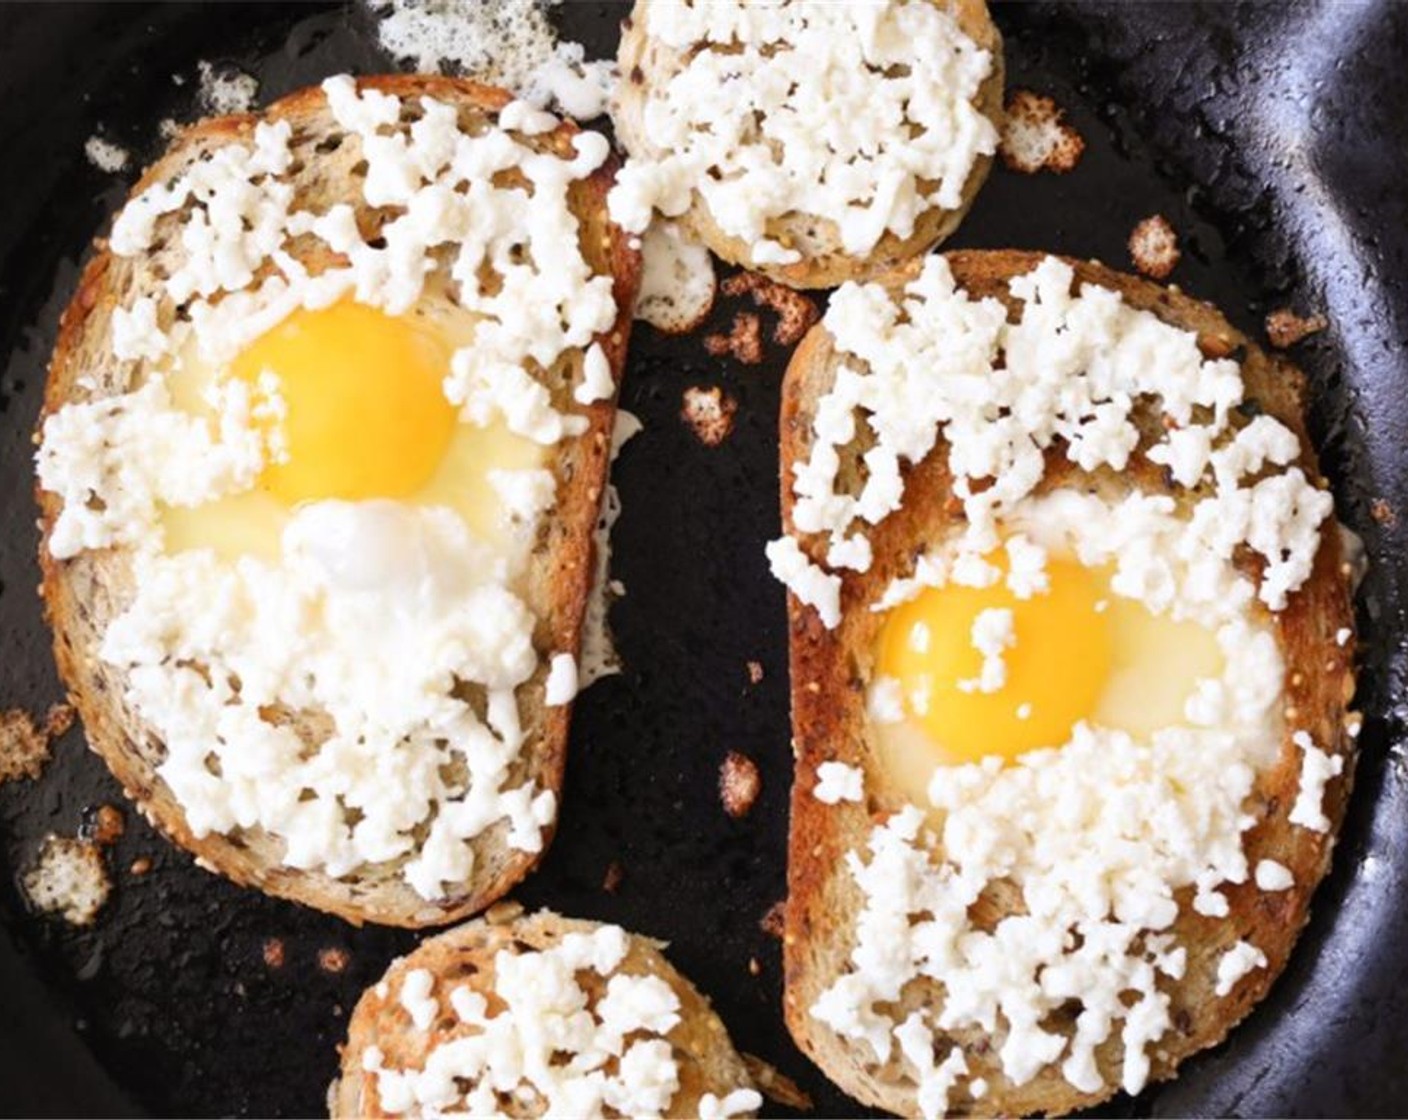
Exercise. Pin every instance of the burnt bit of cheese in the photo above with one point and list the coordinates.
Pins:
(24, 744)
(709, 414)
(68, 878)
(1036, 136)
(1284, 328)
(796, 313)
(739, 784)
(744, 340)
(333, 959)
(1153, 246)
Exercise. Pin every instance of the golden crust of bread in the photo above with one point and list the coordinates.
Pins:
(645, 63)
(830, 670)
(84, 594)
(706, 1058)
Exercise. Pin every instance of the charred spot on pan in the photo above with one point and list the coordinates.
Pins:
(744, 340)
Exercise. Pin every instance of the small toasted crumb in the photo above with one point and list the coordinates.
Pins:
(755, 672)
(140, 866)
(274, 952)
(796, 313)
(501, 913)
(1284, 328)
(744, 341)
(333, 959)
(739, 784)
(709, 413)
(24, 748)
(1154, 247)
(1036, 137)
(775, 1085)
(775, 919)
(754, 968)
(104, 825)
(58, 719)
(1383, 513)
(611, 881)
(68, 879)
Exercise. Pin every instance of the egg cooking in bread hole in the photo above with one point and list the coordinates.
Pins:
(352, 403)
(964, 672)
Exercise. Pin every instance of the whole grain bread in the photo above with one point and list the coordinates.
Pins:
(84, 594)
(646, 65)
(705, 1057)
(831, 669)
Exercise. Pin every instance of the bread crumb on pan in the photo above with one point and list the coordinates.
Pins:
(776, 1085)
(739, 784)
(1153, 246)
(773, 921)
(103, 825)
(1036, 136)
(709, 414)
(612, 877)
(1284, 328)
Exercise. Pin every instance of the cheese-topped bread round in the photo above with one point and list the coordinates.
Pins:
(323, 447)
(814, 142)
(538, 1016)
(1071, 651)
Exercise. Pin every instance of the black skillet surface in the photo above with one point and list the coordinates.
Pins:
(1271, 137)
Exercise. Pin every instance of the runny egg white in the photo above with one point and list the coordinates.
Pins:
(1075, 652)
(362, 417)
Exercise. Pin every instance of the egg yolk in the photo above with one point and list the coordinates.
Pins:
(365, 414)
(1077, 652)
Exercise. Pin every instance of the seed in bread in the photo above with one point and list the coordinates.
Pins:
(324, 442)
(852, 136)
(1069, 694)
(538, 1016)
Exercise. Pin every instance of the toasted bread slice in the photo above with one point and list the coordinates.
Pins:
(831, 669)
(84, 594)
(466, 958)
(647, 64)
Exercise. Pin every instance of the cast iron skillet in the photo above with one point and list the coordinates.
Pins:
(1270, 137)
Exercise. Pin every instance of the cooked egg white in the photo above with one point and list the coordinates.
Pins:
(356, 397)
(1076, 652)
